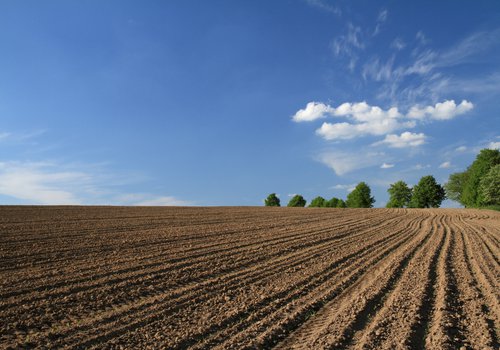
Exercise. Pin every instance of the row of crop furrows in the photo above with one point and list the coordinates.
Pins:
(57, 305)
(442, 299)
(298, 293)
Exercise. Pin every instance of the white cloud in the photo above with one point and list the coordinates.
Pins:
(445, 165)
(51, 183)
(313, 111)
(347, 187)
(344, 162)
(441, 111)
(461, 149)
(386, 166)
(40, 183)
(406, 139)
(494, 145)
(373, 120)
(368, 120)
(162, 201)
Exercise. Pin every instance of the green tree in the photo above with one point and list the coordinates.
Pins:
(399, 195)
(332, 203)
(485, 160)
(272, 201)
(489, 187)
(427, 193)
(317, 202)
(360, 197)
(455, 186)
(341, 204)
(297, 201)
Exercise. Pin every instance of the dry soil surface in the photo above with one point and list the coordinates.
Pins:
(248, 278)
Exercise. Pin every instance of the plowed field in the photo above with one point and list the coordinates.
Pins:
(246, 278)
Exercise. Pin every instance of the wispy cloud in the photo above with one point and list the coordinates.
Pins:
(325, 6)
(349, 45)
(163, 201)
(386, 166)
(56, 183)
(398, 44)
(345, 187)
(345, 162)
(41, 183)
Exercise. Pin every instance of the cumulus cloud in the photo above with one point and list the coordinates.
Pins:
(494, 145)
(406, 139)
(313, 111)
(368, 120)
(461, 149)
(441, 111)
(386, 166)
(345, 162)
(445, 165)
(364, 119)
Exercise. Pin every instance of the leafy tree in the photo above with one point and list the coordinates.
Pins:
(332, 203)
(489, 187)
(455, 186)
(297, 201)
(341, 204)
(427, 193)
(400, 195)
(317, 202)
(360, 197)
(272, 201)
(485, 160)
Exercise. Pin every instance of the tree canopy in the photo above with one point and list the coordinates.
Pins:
(360, 197)
(427, 193)
(485, 160)
(297, 201)
(489, 187)
(317, 202)
(272, 201)
(399, 195)
(465, 187)
(332, 203)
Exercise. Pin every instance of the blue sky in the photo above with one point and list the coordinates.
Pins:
(223, 102)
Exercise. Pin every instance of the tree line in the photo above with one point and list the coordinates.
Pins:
(477, 186)
(426, 194)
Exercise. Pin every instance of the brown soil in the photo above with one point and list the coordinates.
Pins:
(249, 278)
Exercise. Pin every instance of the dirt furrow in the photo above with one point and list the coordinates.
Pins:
(246, 278)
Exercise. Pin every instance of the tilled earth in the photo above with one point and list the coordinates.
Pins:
(248, 278)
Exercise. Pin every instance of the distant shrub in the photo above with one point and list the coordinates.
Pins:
(297, 201)
(272, 201)
(317, 202)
